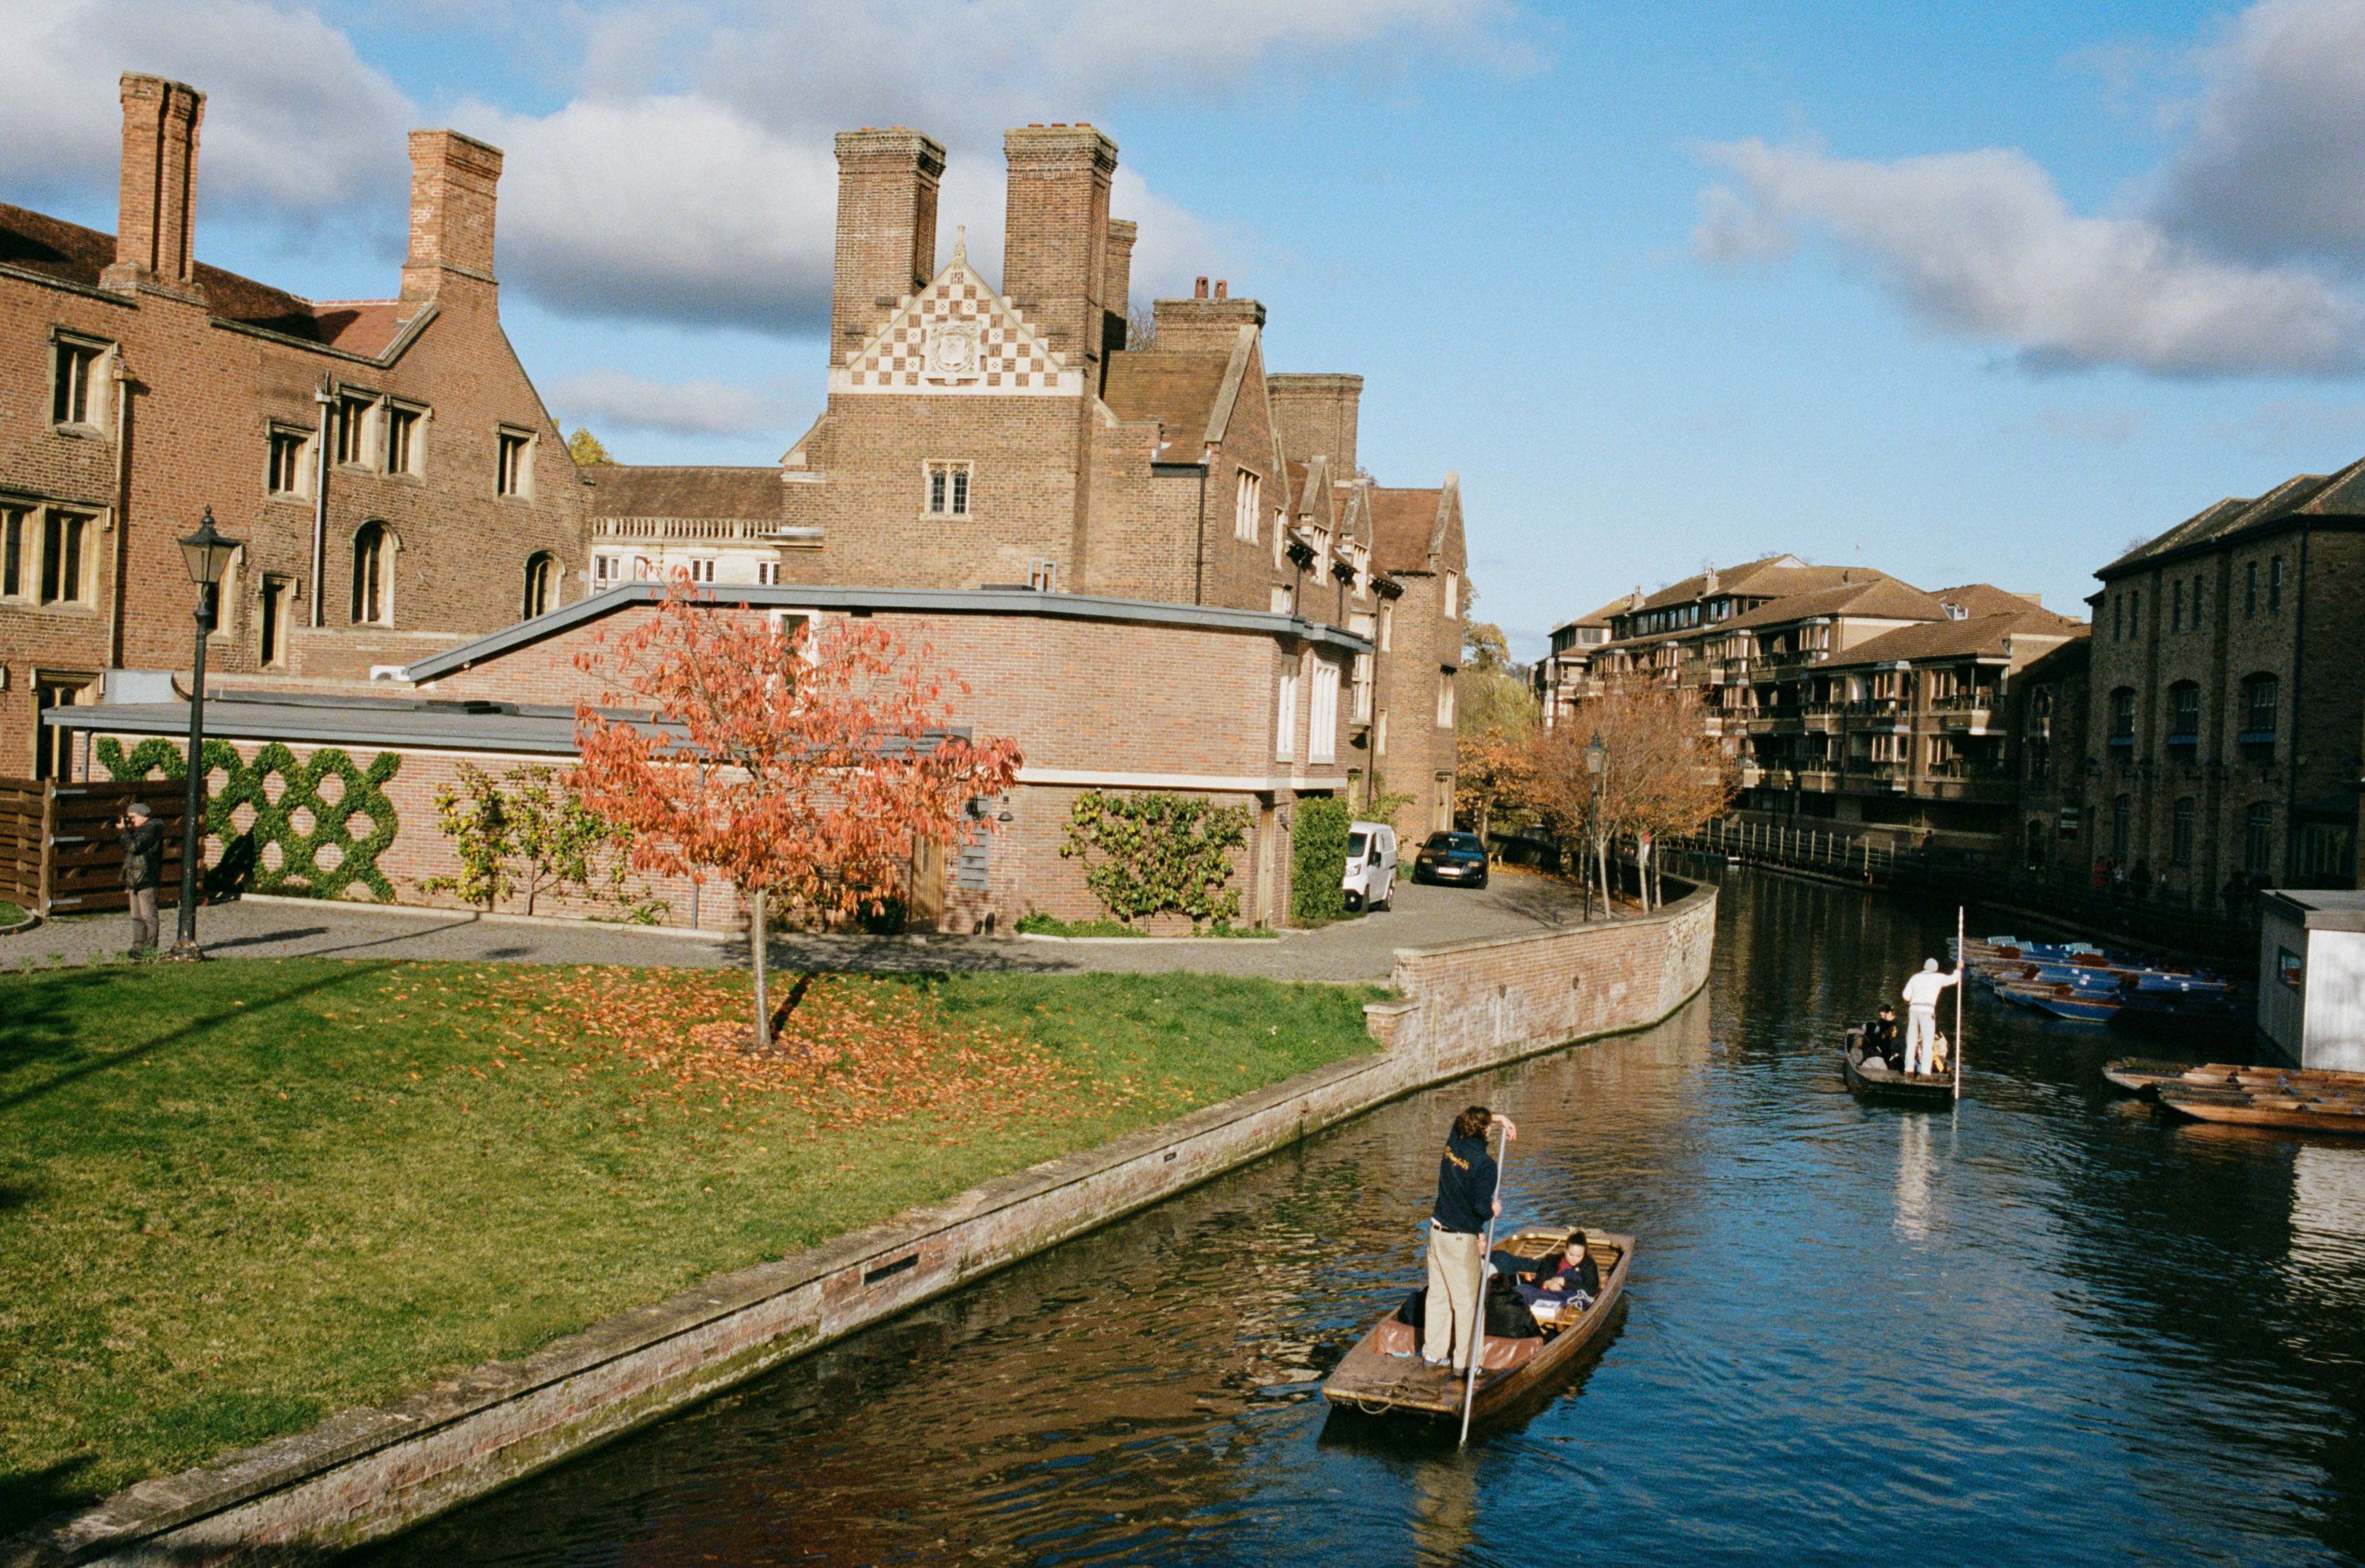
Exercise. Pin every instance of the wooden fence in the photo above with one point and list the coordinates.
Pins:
(58, 853)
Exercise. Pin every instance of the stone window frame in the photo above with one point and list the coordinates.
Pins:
(1322, 713)
(1284, 726)
(1248, 505)
(948, 488)
(81, 386)
(542, 586)
(1445, 697)
(514, 454)
(70, 532)
(20, 549)
(84, 686)
(295, 443)
(1451, 605)
(406, 424)
(376, 608)
(355, 442)
(275, 600)
(1043, 574)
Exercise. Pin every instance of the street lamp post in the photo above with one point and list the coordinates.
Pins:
(1597, 762)
(208, 554)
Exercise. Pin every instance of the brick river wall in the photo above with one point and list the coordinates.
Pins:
(367, 1474)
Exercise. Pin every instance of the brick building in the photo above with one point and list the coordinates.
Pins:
(2224, 695)
(1156, 565)
(386, 462)
(980, 438)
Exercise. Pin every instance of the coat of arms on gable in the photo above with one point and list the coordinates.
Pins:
(956, 335)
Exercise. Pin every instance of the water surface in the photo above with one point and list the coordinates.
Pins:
(2046, 1328)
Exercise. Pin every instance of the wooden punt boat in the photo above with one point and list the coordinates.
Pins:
(1384, 1373)
(2300, 1110)
(1869, 1079)
(2141, 1075)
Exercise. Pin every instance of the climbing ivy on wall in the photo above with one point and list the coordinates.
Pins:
(360, 795)
(1318, 862)
(1147, 854)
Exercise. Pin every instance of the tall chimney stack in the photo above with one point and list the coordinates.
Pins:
(886, 228)
(1317, 416)
(452, 182)
(158, 190)
(1055, 245)
(1116, 282)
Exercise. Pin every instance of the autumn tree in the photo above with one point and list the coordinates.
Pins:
(805, 766)
(1495, 723)
(585, 448)
(1662, 777)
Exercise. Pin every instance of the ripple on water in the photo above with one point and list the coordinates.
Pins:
(2042, 1328)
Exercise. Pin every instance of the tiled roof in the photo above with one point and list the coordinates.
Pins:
(1956, 639)
(2342, 495)
(1976, 599)
(51, 247)
(1176, 389)
(637, 490)
(1774, 574)
(1402, 522)
(1882, 599)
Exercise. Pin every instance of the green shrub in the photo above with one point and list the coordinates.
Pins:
(1318, 863)
(1150, 852)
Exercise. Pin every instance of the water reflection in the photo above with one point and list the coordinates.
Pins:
(2040, 1329)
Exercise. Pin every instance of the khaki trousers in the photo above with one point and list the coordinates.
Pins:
(143, 919)
(1450, 1317)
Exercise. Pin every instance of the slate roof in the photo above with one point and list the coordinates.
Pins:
(2302, 498)
(1984, 599)
(1986, 636)
(51, 247)
(1883, 598)
(621, 489)
(1176, 389)
(1754, 578)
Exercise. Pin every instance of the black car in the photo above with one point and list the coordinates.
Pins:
(1452, 857)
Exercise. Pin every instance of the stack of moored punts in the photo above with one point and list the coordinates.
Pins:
(2297, 1099)
(2080, 983)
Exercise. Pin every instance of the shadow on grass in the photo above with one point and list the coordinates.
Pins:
(39, 1028)
(28, 1497)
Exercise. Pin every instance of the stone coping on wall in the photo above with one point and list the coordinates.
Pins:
(366, 1474)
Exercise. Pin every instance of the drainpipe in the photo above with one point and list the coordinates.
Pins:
(2299, 673)
(1199, 561)
(115, 586)
(325, 403)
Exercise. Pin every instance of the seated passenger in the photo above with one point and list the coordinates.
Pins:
(1566, 1274)
(1881, 1043)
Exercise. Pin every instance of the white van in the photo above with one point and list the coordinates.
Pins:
(1371, 880)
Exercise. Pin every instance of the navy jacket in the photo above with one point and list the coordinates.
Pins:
(1465, 1186)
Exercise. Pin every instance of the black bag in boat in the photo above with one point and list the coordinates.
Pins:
(1507, 1316)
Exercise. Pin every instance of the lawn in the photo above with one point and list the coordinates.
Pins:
(237, 1197)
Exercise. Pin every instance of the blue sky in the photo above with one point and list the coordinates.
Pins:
(1965, 293)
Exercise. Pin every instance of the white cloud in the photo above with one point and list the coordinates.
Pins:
(296, 123)
(2275, 163)
(1981, 245)
(616, 400)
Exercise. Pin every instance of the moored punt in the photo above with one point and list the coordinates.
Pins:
(1870, 1079)
(1384, 1373)
(2141, 1075)
(2299, 1112)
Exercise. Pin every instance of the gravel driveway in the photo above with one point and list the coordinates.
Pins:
(1353, 950)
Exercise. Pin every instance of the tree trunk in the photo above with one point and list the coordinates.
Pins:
(759, 940)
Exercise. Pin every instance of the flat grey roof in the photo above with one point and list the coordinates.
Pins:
(394, 722)
(2319, 909)
(932, 602)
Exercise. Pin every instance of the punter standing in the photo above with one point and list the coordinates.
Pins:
(1921, 995)
(1457, 1243)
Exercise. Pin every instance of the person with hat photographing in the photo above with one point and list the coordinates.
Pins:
(143, 870)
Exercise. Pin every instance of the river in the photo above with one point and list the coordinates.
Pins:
(2050, 1327)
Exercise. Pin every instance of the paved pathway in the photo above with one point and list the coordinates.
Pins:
(1352, 950)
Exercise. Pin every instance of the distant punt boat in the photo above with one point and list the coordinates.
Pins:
(1383, 1373)
(2300, 1111)
(1870, 1079)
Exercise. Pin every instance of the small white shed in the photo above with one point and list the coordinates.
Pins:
(2312, 977)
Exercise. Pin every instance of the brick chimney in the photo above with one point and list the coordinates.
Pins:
(158, 190)
(1317, 416)
(1056, 235)
(1205, 324)
(886, 228)
(452, 181)
(1117, 280)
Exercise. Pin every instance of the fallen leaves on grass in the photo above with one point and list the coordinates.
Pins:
(850, 1052)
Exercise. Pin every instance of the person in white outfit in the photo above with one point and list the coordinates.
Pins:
(1921, 993)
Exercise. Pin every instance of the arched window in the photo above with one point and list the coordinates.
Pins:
(541, 584)
(373, 574)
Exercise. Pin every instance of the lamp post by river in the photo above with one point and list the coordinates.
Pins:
(208, 554)
(1597, 762)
